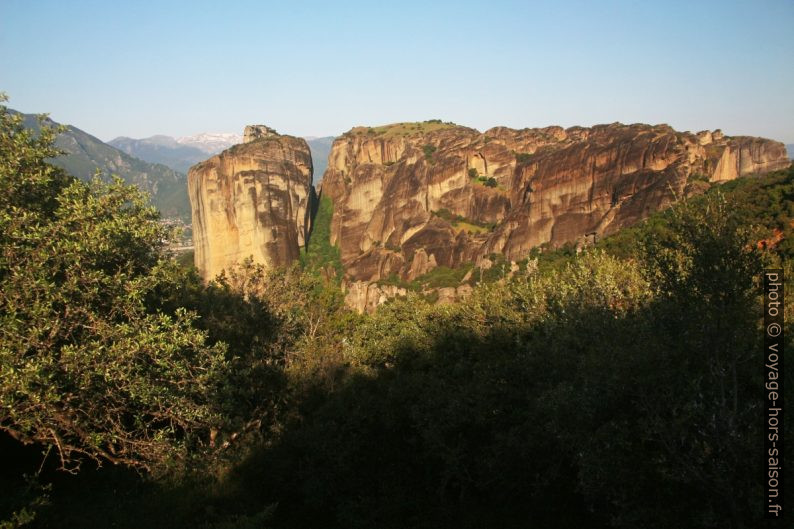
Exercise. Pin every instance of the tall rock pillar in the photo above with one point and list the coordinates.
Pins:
(251, 200)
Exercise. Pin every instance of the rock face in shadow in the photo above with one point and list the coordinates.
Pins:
(411, 197)
(251, 200)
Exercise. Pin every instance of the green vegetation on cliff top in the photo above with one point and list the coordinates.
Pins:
(414, 128)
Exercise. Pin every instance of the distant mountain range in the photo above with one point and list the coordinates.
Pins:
(163, 150)
(85, 154)
(177, 153)
(158, 164)
(211, 142)
(182, 153)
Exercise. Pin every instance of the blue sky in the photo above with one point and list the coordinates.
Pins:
(319, 68)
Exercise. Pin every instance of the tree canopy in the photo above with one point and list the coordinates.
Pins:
(85, 365)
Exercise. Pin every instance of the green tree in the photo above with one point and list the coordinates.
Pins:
(85, 366)
(668, 429)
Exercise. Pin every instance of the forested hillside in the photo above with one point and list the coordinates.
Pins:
(619, 386)
(82, 155)
(163, 150)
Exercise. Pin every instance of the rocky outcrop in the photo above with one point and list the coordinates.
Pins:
(256, 132)
(251, 200)
(745, 155)
(366, 296)
(413, 197)
(410, 197)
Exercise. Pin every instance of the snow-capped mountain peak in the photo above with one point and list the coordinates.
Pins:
(211, 142)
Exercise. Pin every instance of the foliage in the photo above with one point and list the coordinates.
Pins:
(442, 276)
(33, 496)
(549, 258)
(498, 269)
(447, 215)
(186, 259)
(397, 281)
(485, 180)
(463, 223)
(320, 256)
(520, 392)
(763, 203)
(416, 128)
(429, 150)
(446, 422)
(470, 226)
(85, 366)
(523, 157)
(690, 434)
(473, 172)
(697, 177)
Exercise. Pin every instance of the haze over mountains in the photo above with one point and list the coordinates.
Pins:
(320, 148)
(177, 153)
(182, 153)
(211, 142)
(161, 149)
(157, 164)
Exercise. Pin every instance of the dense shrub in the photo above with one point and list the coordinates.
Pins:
(86, 366)
(523, 157)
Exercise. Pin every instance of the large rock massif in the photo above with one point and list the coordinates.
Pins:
(411, 197)
(251, 200)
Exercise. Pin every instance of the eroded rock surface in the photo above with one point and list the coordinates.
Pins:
(251, 200)
(411, 197)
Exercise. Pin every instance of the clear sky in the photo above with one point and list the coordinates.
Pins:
(115, 68)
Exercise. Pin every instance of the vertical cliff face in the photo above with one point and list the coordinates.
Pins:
(252, 200)
(412, 197)
(610, 177)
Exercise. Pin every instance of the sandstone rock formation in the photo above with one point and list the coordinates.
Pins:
(251, 200)
(411, 197)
